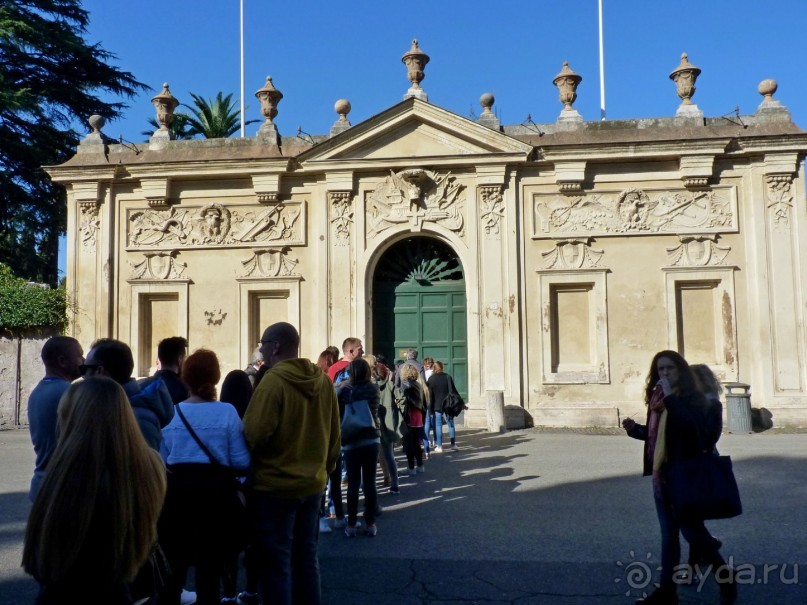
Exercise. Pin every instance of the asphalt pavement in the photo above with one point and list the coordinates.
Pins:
(526, 517)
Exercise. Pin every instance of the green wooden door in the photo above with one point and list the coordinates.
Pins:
(419, 302)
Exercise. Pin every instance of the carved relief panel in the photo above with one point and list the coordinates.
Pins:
(269, 263)
(697, 251)
(572, 254)
(414, 197)
(635, 211)
(216, 226)
(491, 209)
(157, 266)
(780, 198)
(89, 223)
(341, 216)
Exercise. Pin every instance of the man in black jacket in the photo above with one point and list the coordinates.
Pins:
(171, 353)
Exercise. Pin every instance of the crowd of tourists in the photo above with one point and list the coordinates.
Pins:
(138, 481)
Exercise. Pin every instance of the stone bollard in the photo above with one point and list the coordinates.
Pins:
(495, 405)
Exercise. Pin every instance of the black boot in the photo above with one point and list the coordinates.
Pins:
(728, 591)
(660, 596)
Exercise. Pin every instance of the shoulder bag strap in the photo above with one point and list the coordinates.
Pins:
(196, 437)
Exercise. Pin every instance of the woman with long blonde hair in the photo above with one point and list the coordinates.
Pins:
(94, 521)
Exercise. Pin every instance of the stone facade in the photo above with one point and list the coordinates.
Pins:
(585, 246)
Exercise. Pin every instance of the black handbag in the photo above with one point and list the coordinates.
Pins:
(453, 405)
(153, 576)
(220, 478)
(703, 487)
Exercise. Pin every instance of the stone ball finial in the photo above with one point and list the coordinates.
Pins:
(486, 101)
(342, 107)
(767, 87)
(96, 122)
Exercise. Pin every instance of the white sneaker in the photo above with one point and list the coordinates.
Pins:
(438, 449)
(421, 469)
(454, 448)
(324, 528)
(187, 597)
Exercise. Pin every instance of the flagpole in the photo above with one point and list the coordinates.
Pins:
(602, 71)
(243, 118)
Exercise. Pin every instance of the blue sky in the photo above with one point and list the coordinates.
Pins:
(318, 52)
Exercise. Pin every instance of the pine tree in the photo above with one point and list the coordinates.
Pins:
(50, 77)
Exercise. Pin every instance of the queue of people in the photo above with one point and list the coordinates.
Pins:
(136, 481)
(396, 405)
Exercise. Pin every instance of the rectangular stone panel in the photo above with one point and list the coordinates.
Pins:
(634, 211)
(216, 225)
(571, 326)
(159, 319)
(696, 321)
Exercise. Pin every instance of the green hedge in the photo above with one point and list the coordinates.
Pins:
(27, 305)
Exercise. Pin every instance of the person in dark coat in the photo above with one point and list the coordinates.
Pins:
(440, 386)
(681, 424)
(171, 353)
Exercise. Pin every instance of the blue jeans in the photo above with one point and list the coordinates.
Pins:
(436, 420)
(694, 532)
(286, 531)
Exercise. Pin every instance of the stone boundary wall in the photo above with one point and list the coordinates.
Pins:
(20, 370)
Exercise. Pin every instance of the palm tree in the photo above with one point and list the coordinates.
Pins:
(180, 128)
(214, 118)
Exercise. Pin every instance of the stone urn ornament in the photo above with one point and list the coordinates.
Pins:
(567, 82)
(270, 97)
(165, 103)
(684, 77)
(415, 61)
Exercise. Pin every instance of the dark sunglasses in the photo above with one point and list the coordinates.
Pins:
(85, 367)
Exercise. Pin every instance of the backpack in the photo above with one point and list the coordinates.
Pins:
(341, 375)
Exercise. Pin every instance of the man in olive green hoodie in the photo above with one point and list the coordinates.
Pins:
(292, 428)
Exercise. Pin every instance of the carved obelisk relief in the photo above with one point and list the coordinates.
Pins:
(783, 284)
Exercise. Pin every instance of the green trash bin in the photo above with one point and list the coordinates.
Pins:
(738, 407)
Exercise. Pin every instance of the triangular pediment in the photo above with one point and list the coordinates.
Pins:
(414, 129)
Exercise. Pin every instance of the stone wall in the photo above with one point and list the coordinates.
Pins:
(20, 370)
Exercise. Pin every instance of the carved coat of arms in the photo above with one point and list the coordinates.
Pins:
(416, 196)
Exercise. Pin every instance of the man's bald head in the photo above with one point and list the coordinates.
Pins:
(280, 341)
(62, 356)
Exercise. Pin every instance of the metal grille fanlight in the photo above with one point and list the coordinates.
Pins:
(419, 260)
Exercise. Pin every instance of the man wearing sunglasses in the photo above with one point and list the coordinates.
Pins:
(150, 399)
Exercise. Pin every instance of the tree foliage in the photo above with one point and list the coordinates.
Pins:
(27, 305)
(214, 118)
(50, 78)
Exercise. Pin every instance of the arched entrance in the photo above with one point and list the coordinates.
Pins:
(419, 301)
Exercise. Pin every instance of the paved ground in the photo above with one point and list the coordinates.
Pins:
(525, 518)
